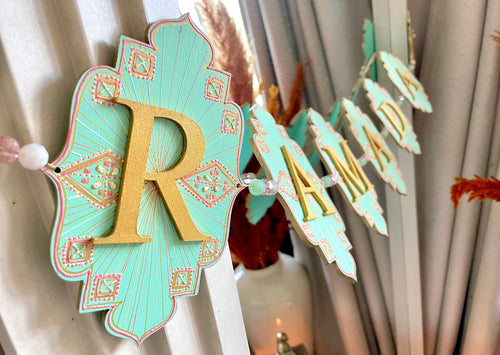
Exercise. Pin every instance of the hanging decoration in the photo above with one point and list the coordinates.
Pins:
(147, 178)
(150, 171)
(309, 207)
(393, 119)
(346, 172)
(376, 151)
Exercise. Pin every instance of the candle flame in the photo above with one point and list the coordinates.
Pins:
(278, 322)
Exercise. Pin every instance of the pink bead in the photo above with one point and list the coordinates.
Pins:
(9, 150)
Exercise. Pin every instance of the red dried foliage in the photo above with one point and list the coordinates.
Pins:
(230, 51)
(479, 188)
(256, 246)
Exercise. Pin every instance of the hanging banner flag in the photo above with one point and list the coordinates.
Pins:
(147, 178)
(300, 191)
(377, 153)
(369, 47)
(345, 169)
(393, 119)
(405, 81)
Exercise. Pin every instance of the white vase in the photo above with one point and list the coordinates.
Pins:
(276, 299)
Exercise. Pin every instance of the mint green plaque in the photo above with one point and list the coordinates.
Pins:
(377, 153)
(393, 119)
(170, 84)
(405, 81)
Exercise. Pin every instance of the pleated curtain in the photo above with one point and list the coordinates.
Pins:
(458, 256)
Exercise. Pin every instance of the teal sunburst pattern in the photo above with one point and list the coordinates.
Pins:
(138, 283)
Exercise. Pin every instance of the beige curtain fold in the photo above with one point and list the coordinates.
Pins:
(458, 64)
(460, 72)
(356, 316)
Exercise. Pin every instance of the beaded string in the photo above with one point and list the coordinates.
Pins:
(34, 156)
(31, 156)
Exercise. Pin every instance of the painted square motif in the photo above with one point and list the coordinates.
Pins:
(230, 121)
(325, 246)
(307, 230)
(181, 280)
(214, 89)
(104, 89)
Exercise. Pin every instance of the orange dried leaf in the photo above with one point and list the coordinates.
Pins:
(479, 188)
(273, 103)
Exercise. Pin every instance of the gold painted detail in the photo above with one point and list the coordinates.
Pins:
(134, 174)
(351, 173)
(304, 185)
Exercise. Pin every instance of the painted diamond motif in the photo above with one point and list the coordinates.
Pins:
(209, 249)
(141, 64)
(105, 287)
(77, 251)
(96, 178)
(210, 184)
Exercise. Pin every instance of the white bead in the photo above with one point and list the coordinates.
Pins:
(33, 156)
(272, 187)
